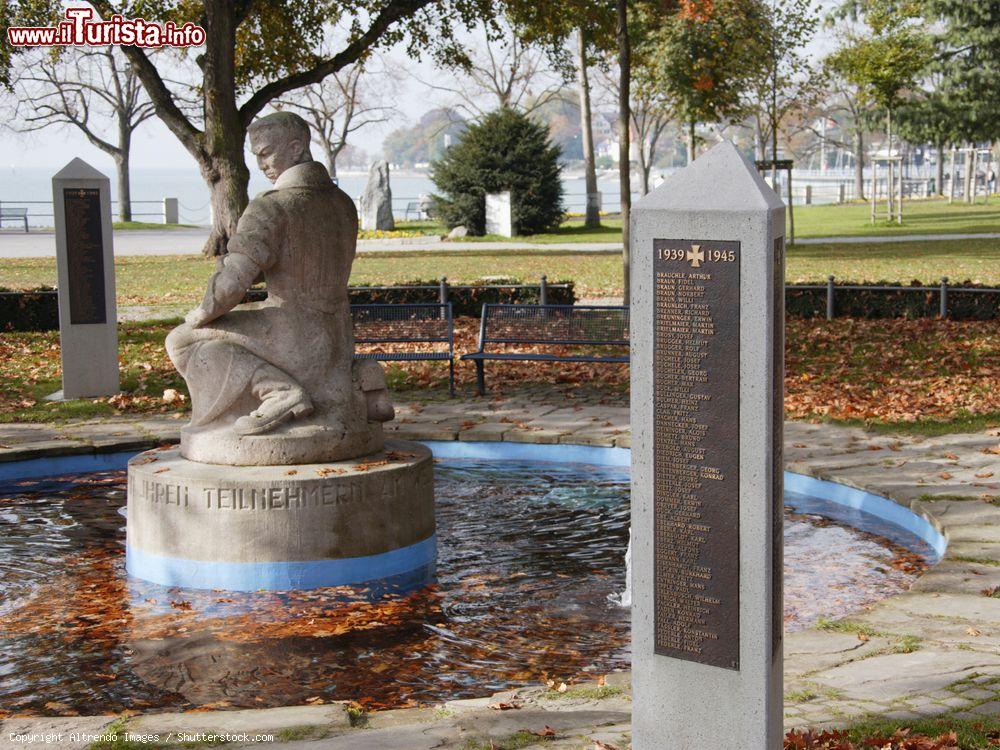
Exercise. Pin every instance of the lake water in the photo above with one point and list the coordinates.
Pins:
(23, 186)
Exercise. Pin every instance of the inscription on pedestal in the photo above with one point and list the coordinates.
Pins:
(696, 375)
(85, 256)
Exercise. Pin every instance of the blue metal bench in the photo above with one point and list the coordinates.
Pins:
(406, 324)
(582, 327)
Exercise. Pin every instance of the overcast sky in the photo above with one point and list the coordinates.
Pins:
(155, 147)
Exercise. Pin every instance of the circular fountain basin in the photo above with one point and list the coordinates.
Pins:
(531, 543)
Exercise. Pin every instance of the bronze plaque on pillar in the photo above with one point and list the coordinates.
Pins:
(696, 491)
(85, 256)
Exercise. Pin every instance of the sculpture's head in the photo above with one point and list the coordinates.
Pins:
(279, 141)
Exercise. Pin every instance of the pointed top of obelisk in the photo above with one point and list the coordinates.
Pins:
(718, 179)
(78, 169)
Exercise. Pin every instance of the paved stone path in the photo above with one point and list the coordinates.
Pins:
(934, 650)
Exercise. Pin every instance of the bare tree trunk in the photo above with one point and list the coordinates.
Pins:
(592, 214)
(645, 167)
(939, 169)
(692, 153)
(331, 160)
(124, 186)
(859, 163)
(222, 165)
(624, 108)
(969, 166)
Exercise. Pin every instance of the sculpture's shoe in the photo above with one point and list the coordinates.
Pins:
(276, 408)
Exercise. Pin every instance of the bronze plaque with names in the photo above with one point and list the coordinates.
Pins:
(696, 451)
(85, 256)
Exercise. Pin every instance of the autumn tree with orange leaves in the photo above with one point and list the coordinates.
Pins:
(705, 56)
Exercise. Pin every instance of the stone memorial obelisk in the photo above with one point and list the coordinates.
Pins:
(707, 321)
(284, 478)
(85, 265)
(499, 214)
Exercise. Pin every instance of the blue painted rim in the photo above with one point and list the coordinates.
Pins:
(867, 502)
(405, 568)
(839, 494)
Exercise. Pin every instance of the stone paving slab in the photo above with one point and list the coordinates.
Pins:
(934, 651)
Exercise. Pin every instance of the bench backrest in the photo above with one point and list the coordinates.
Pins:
(554, 324)
(399, 323)
(13, 212)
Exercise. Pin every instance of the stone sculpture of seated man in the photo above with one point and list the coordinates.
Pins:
(275, 382)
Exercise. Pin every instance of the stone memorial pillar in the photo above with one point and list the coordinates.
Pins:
(170, 213)
(85, 262)
(499, 219)
(376, 201)
(707, 327)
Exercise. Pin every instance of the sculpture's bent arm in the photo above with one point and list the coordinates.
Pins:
(228, 285)
(252, 249)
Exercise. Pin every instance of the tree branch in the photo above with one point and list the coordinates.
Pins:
(395, 11)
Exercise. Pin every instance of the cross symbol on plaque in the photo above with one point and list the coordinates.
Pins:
(696, 256)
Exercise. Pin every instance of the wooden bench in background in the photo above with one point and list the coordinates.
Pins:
(384, 324)
(589, 330)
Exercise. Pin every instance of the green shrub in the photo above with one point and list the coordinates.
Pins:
(504, 151)
(35, 310)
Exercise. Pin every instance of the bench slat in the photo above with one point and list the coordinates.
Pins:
(543, 357)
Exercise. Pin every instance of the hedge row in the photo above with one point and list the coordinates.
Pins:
(38, 310)
(35, 310)
(913, 301)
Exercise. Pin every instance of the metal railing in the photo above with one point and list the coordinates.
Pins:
(943, 290)
(167, 212)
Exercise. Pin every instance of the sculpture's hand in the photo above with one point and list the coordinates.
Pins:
(196, 318)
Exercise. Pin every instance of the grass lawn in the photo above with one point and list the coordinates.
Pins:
(931, 216)
(127, 225)
(164, 279)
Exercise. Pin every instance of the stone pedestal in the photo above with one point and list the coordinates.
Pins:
(246, 528)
